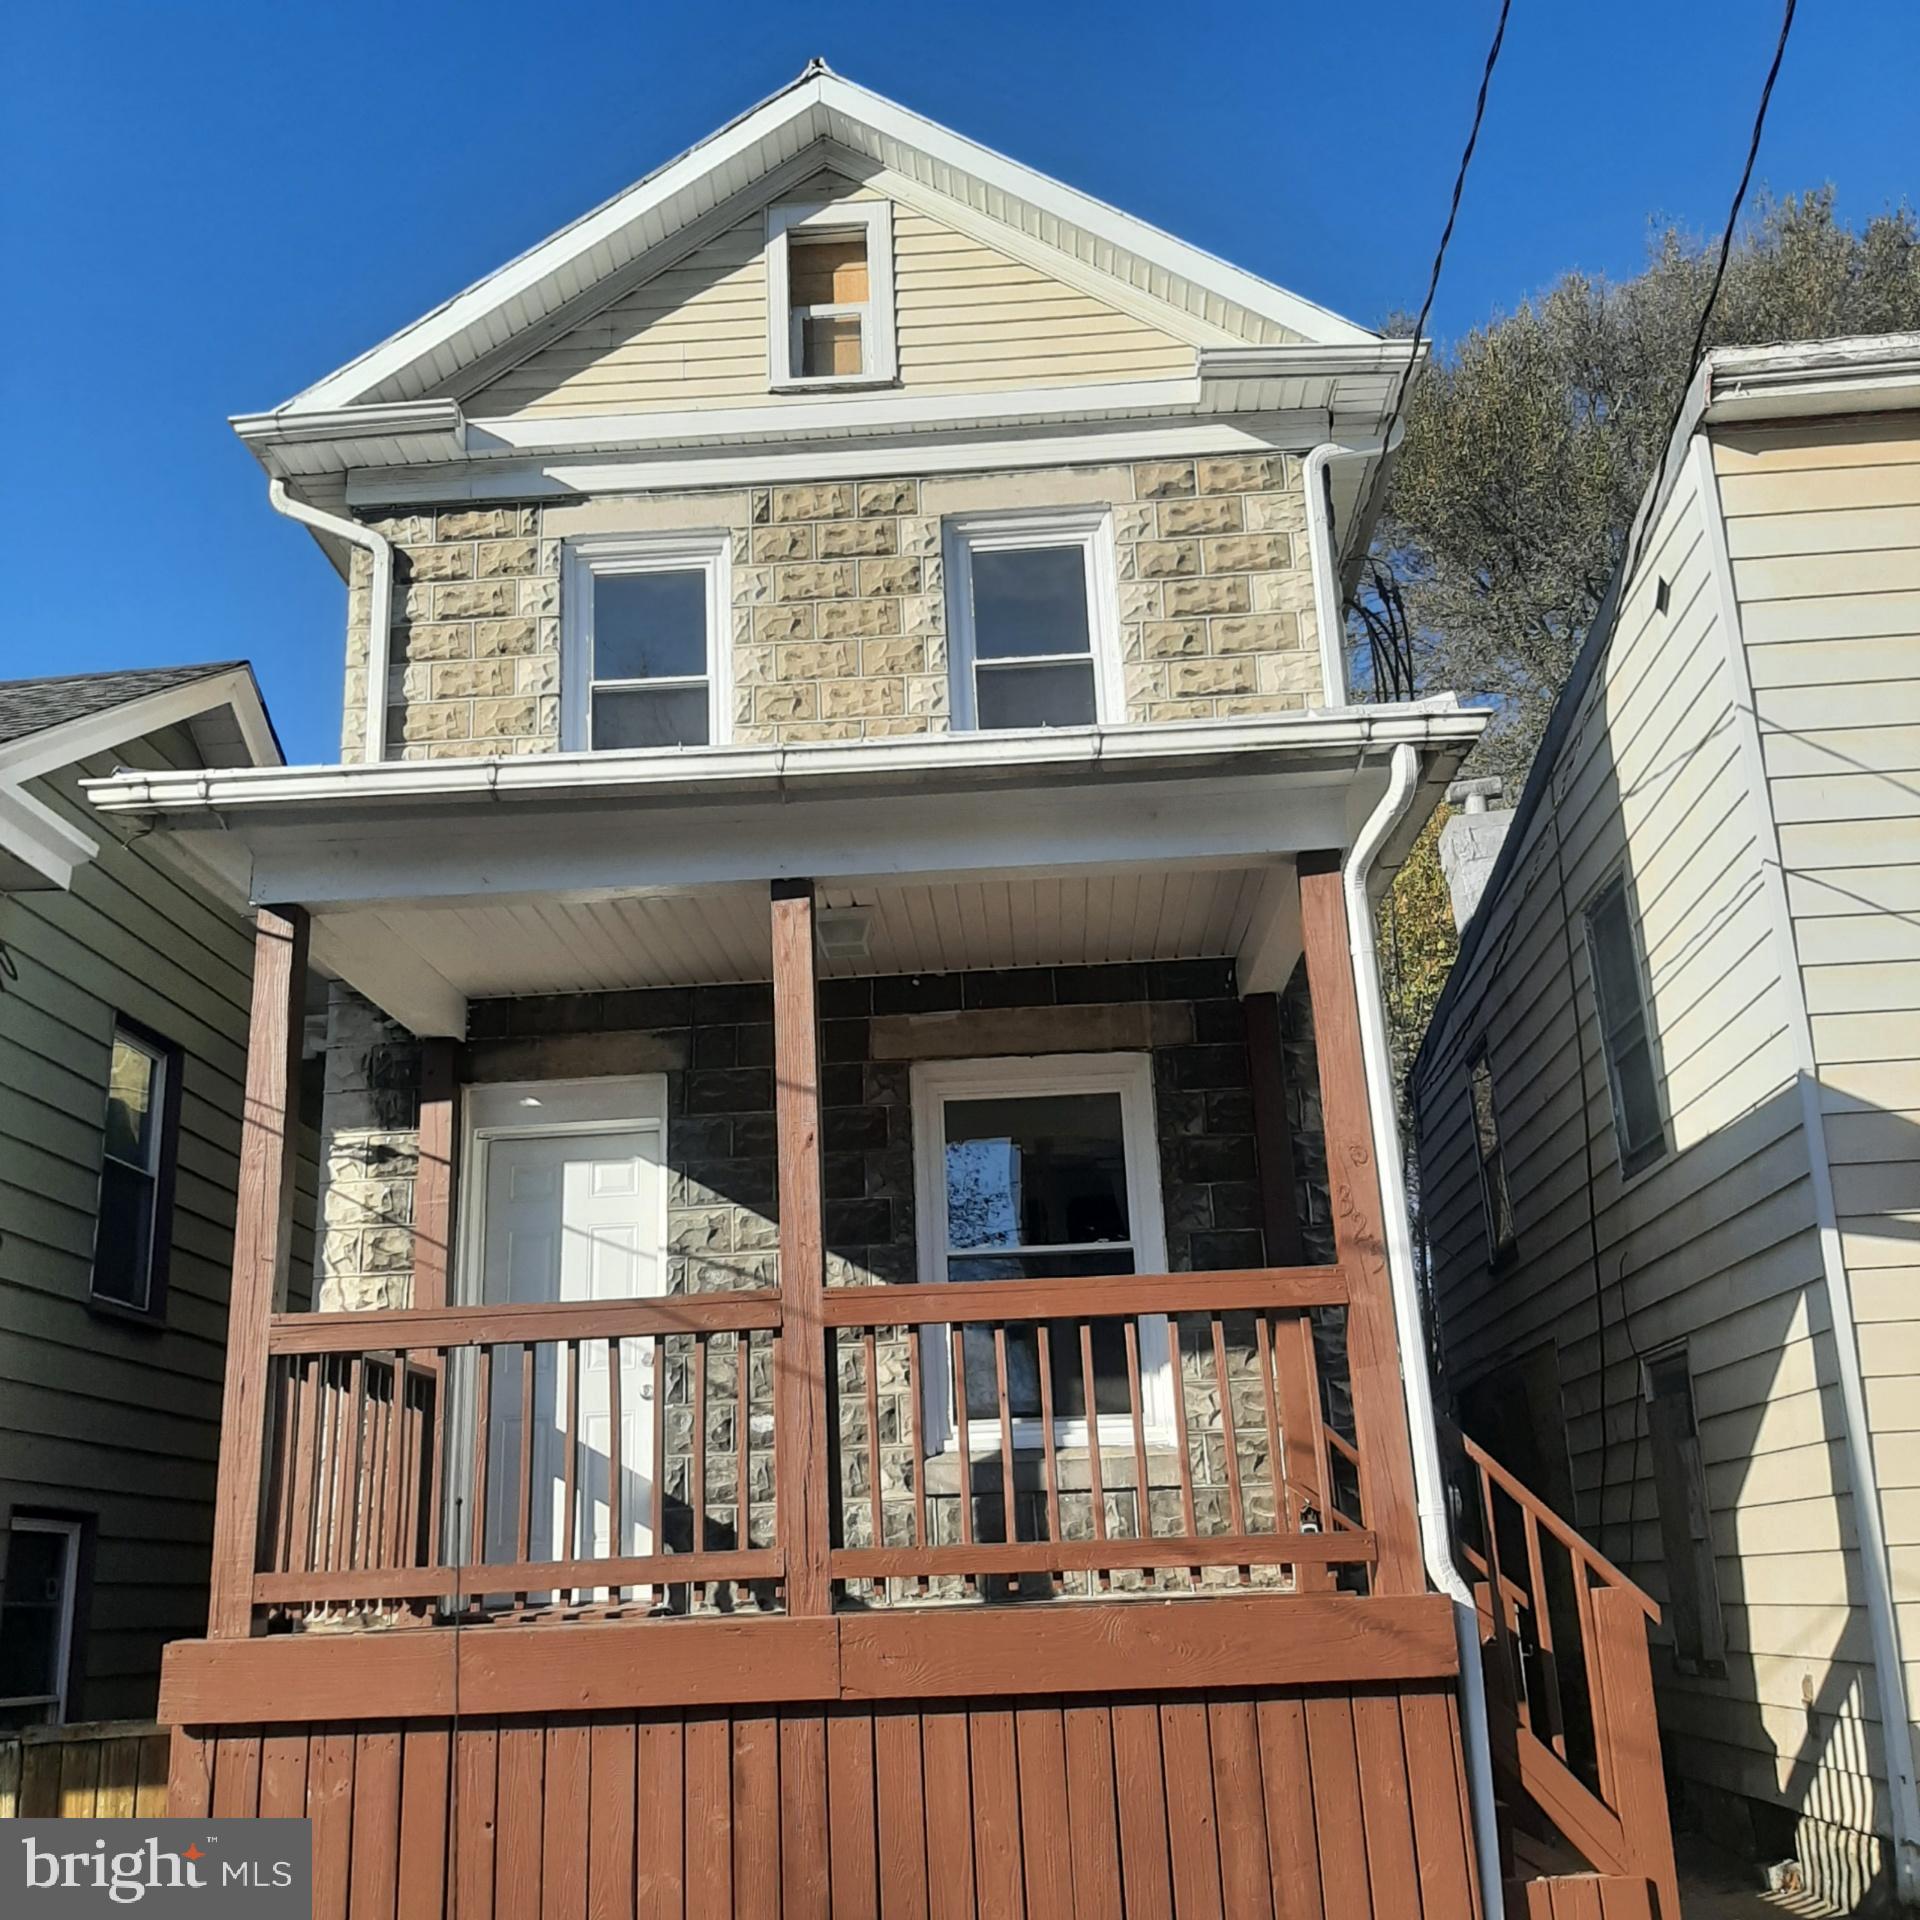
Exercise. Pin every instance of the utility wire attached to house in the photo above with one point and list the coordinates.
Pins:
(1439, 260)
(1719, 277)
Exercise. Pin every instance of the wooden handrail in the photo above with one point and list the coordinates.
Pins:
(1576, 1544)
(1108, 1297)
(413, 1328)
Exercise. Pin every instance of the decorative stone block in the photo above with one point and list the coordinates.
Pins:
(1162, 479)
(924, 613)
(930, 695)
(462, 679)
(501, 719)
(848, 619)
(472, 600)
(1190, 677)
(1275, 512)
(817, 660)
(1180, 710)
(1255, 633)
(1249, 553)
(783, 543)
(1283, 592)
(797, 702)
(1178, 517)
(842, 538)
(428, 720)
(1236, 705)
(434, 640)
(892, 656)
(478, 523)
(1166, 559)
(493, 637)
(919, 536)
(889, 496)
(433, 563)
(824, 580)
(494, 559)
(892, 576)
(753, 664)
(829, 502)
(1257, 473)
(1136, 520)
(539, 596)
(1147, 681)
(783, 623)
(1142, 600)
(1185, 598)
(1167, 638)
(403, 529)
(540, 674)
(852, 699)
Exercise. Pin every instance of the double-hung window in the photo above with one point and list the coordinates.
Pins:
(36, 1618)
(1626, 1032)
(1495, 1197)
(1030, 602)
(645, 656)
(1040, 1169)
(830, 294)
(133, 1228)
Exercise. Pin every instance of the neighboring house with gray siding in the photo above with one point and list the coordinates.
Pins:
(124, 990)
(1669, 1104)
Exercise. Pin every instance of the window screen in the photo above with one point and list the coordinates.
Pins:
(1032, 635)
(130, 1234)
(650, 665)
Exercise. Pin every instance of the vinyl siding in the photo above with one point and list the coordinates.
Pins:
(1823, 523)
(967, 318)
(1715, 1244)
(97, 1415)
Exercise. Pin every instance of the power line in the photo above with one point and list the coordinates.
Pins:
(1439, 260)
(1719, 274)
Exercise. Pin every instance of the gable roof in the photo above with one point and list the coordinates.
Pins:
(555, 283)
(50, 723)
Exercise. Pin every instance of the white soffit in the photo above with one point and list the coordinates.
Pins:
(564, 273)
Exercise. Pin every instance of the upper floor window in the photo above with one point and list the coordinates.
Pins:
(644, 657)
(1626, 1033)
(132, 1233)
(1495, 1198)
(830, 294)
(1030, 603)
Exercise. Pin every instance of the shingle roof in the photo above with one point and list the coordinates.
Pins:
(31, 706)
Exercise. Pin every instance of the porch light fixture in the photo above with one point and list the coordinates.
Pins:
(845, 933)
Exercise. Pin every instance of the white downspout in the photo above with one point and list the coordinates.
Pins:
(1327, 615)
(379, 601)
(1428, 1478)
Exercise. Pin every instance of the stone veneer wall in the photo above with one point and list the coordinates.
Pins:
(714, 1045)
(839, 601)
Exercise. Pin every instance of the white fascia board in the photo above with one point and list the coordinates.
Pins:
(1120, 230)
(1078, 443)
(1861, 374)
(953, 761)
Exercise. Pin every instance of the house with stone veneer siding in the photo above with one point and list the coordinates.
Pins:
(852, 1255)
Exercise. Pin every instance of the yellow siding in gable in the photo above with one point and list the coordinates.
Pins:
(967, 319)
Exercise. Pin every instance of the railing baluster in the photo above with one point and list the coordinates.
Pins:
(524, 1524)
(1096, 1482)
(1497, 1584)
(568, 1431)
(869, 1363)
(963, 1430)
(1284, 1517)
(742, 1440)
(1043, 1348)
(1543, 1635)
(1229, 1439)
(915, 1402)
(698, 1488)
(476, 1543)
(658, 1540)
(616, 1463)
(1596, 1693)
(303, 1463)
(1136, 1401)
(1009, 1524)
(397, 1501)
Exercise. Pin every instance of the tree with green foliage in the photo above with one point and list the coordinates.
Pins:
(1529, 444)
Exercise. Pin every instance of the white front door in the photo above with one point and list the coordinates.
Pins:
(571, 1209)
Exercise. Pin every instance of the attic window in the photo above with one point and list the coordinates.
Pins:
(830, 295)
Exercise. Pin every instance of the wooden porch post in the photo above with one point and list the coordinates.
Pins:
(262, 1245)
(800, 1392)
(433, 1191)
(1374, 1359)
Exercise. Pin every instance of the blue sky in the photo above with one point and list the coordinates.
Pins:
(204, 207)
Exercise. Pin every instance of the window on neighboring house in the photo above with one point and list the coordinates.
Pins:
(1495, 1199)
(133, 1229)
(1686, 1535)
(1626, 1032)
(645, 656)
(1040, 1169)
(36, 1618)
(830, 294)
(1029, 605)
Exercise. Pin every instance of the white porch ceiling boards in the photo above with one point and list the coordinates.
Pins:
(721, 934)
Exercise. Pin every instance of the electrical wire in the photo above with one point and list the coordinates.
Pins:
(1719, 275)
(1439, 260)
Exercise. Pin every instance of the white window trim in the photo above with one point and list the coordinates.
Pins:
(592, 555)
(69, 1600)
(880, 356)
(1130, 1075)
(158, 1098)
(1090, 529)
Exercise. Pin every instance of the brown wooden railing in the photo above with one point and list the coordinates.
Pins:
(1569, 1682)
(461, 1463)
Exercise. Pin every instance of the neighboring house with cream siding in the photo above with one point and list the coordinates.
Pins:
(123, 1024)
(1680, 1051)
(848, 1130)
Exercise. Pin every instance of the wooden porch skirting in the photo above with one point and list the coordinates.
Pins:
(1268, 1803)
